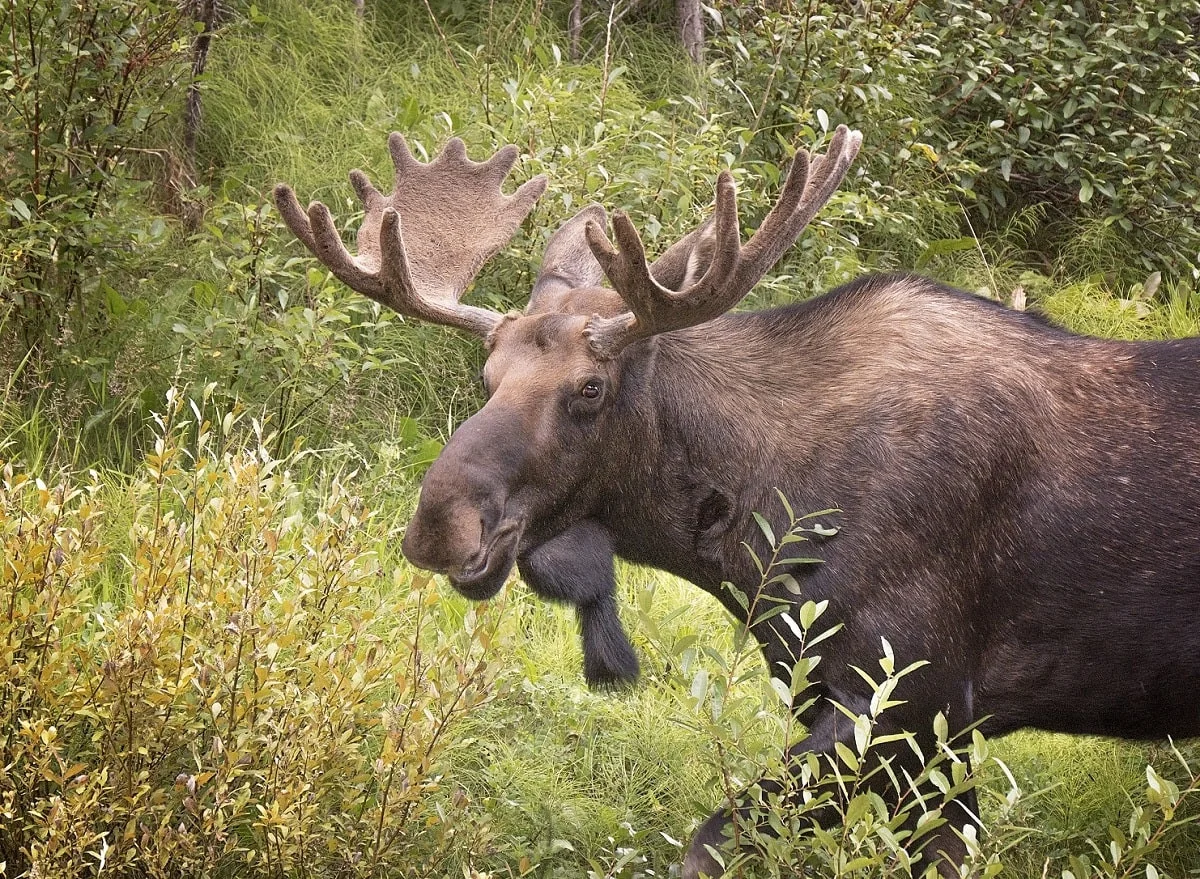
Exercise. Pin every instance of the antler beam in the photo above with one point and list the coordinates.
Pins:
(734, 269)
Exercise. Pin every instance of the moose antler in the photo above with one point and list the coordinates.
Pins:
(419, 248)
(735, 268)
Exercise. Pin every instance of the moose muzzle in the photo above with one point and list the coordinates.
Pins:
(461, 527)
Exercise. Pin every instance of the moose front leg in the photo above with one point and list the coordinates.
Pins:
(941, 846)
(576, 567)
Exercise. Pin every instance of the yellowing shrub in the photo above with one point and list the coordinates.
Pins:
(262, 699)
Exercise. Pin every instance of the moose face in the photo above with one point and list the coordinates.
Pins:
(531, 462)
(523, 467)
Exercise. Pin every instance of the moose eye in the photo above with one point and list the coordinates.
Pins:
(591, 389)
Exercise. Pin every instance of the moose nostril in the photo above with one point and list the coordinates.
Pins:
(443, 536)
(414, 548)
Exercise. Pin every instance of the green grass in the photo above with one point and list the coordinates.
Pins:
(1093, 309)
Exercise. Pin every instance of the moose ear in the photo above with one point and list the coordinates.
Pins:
(686, 261)
(568, 263)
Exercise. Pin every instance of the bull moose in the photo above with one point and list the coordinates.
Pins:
(1020, 505)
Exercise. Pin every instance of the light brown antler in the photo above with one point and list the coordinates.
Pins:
(735, 268)
(419, 247)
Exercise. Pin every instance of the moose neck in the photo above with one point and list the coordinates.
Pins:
(715, 425)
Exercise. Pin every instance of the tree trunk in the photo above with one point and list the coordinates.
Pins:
(183, 173)
(690, 19)
(205, 13)
(574, 29)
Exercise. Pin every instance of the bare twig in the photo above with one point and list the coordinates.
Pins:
(607, 48)
(442, 35)
(615, 17)
(574, 29)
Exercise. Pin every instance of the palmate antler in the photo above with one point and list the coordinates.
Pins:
(735, 268)
(419, 247)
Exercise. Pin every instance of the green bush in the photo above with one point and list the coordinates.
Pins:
(81, 86)
(1090, 109)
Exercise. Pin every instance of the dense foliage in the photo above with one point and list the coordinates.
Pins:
(213, 660)
(242, 695)
(1081, 112)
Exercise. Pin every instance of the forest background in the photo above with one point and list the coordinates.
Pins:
(215, 661)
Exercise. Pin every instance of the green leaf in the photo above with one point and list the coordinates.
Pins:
(828, 633)
(943, 246)
(765, 527)
(790, 583)
(847, 756)
(798, 560)
(782, 690)
(809, 611)
(856, 810)
(787, 508)
(700, 685)
(862, 734)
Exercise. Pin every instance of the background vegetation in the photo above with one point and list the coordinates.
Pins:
(214, 660)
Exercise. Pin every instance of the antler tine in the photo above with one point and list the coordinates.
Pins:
(294, 215)
(811, 183)
(402, 157)
(653, 308)
(420, 247)
(366, 191)
(735, 269)
(331, 251)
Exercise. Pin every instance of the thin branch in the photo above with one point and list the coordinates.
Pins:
(442, 35)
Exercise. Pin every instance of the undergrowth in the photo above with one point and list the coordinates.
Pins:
(235, 686)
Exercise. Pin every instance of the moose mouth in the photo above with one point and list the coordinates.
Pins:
(484, 575)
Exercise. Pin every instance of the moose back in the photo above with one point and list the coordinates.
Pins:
(1020, 505)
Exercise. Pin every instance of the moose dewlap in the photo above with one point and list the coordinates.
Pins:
(1020, 505)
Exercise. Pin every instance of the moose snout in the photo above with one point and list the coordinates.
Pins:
(441, 540)
(455, 519)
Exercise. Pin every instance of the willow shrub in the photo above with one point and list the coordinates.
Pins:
(259, 698)
(82, 86)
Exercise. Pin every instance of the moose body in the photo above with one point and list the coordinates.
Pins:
(1018, 505)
